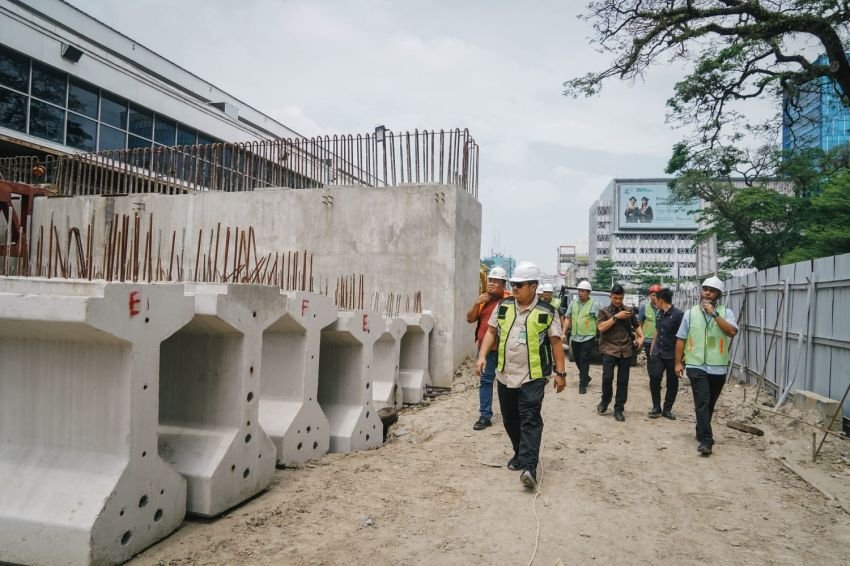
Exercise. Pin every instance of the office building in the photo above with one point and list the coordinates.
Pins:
(69, 83)
(819, 119)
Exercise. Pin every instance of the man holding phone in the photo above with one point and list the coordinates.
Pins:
(702, 351)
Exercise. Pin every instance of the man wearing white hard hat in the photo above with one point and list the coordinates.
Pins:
(480, 314)
(580, 322)
(546, 293)
(527, 332)
(702, 351)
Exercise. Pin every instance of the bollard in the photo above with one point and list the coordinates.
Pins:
(345, 380)
(289, 403)
(83, 482)
(413, 375)
(209, 384)
(385, 388)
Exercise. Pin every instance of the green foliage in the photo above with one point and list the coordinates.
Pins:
(827, 231)
(647, 274)
(604, 273)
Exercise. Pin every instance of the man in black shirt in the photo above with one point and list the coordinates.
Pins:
(662, 355)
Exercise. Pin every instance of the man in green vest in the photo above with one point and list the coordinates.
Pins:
(547, 293)
(647, 314)
(580, 322)
(528, 333)
(702, 350)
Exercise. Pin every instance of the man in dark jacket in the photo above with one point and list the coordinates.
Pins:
(663, 354)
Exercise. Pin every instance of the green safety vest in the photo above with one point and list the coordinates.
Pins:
(536, 326)
(583, 321)
(707, 344)
(648, 325)
(555, 302)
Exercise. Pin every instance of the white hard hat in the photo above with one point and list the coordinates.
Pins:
(498, 273)
(714, 283)
(525, 271)
(585, 285)
(547, 288)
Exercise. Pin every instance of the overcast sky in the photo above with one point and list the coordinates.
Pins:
(497, 68)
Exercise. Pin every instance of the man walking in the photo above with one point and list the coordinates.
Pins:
(480, 314)
(528, 334)
(702, 350)
(662, 355)
(580, 323)
(619, 337)
(647, 314)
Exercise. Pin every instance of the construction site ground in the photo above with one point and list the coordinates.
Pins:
(612, 493)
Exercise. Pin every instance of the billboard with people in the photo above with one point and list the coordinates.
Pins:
(647, 207)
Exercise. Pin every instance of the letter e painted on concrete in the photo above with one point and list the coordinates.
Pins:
(134, 303)
(365, 323)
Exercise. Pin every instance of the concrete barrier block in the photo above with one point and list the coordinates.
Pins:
(413, 374)
(824, 407)
(79, 391)
(209, 387)
(385, 388)
(289, 403)
(346, 378)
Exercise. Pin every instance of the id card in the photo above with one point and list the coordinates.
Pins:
(523, 337)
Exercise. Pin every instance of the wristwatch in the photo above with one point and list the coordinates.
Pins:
(561, 373)
(715, 314)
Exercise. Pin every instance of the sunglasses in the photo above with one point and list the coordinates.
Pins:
(520, 285)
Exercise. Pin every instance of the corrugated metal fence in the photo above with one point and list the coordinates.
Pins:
(794, 326)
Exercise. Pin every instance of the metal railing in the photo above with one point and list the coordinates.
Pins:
(383, 159)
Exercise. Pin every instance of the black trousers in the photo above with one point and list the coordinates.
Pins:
(581, 355)
(657, 367)
(623, 366)
(523, 421)
(706, 389)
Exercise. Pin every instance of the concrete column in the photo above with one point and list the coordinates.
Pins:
(413, 374)
(82, 481)
(209, 393)
(346, 379)
(385, 389)
(289, 402)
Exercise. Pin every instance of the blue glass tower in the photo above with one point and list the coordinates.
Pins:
(820, 120)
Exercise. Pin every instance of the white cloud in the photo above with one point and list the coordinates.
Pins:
(496, 68)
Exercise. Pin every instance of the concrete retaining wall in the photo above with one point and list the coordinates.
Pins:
(385, 388)
(403, 239)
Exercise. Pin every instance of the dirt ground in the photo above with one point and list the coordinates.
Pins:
(632, 493)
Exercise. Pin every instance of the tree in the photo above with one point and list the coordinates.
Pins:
(604, 273)
(649, 273)
(743, 49)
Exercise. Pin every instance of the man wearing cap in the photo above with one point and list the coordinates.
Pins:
(480, 314)
(702, 351)
(527, 334)
(663, 352)
(580, 323)
(647, 314)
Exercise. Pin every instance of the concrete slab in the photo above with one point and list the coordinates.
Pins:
(414, 356)
(209, 385)
(823, 406)
(385, 388)
(346, 379)
(289, 402)
(79, 394)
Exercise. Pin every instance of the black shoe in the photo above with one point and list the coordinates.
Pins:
(704, 448)
(513, 464)
(668, 415)
(601, 408)
(481, 423)
(619, 417)
(528, 479)
(654, 413)
(582, 389)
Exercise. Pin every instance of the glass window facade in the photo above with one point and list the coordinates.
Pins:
(50, 104)
(819, 119)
